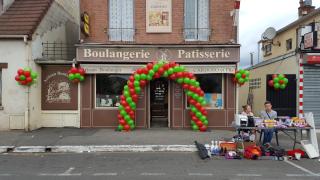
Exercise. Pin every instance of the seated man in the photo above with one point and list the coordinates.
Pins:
(268, 113)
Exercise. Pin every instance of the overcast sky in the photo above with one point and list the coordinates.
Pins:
(257, 15)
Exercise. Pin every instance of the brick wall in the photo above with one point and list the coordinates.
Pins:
(221, 23)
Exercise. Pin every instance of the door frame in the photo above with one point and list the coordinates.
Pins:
(149, 104)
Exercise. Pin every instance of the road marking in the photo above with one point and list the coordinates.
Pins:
(5, 174)
(66, 173)
(105, 174)
(250, 175)
(301, 168)
(200, 174)
(152, 174)
(301, 175)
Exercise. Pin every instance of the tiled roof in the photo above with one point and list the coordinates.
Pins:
(23, 17)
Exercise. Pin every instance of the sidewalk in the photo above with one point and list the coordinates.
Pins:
(51, 139)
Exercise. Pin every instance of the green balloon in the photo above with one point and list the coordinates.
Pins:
(120, 127)
(149, 78)
(246, 72)
(22, 77)
(132, 126)
(176, 69)
(133, 105)
(27, 69)
(193, 109)
(156, 67)
(126, 88)
(186, 80)
(202, 118)
(34, 75)
(276, 85)
(193, 123)
(170, 71)
(77, 75)
(180, 80)
(201, 99)
(165, 74)
(276, 80)
(285, 80)
(283, 86)
(123, 112)
(197, 84)
(136, 83)
(126, 93)
(143, 76)
(195, 96)
(182, 68)
(241, 71)
(195, 127)
(238, 75)
(280, 76)
(241, 80)
(189, 93)
(137, 89)
(203, 103)
(193, 82)
(205, 122)
(137, 77)
(131, 122)
(246, 79)
(151, 73)
(198, 114)
(129, 100)
(121, 107)
(81, 78)
(71, 77)
(127, 117)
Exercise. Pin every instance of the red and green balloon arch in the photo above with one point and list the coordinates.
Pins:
(170, 70)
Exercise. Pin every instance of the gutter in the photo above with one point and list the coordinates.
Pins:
(24, 37)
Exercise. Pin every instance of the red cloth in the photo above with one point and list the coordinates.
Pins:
(292, 152)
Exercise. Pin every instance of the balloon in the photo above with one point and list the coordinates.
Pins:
(165, 74)
(203, 128)
(149, 78)
(129, 100)
(20, 72)
(170, 71)
(197, 84)
(198, 114)
(166, 66)
(276, 80)
(77, 75)
(131, 122)
(27, 73)
(120, 128)
(151, 73)
(143, 83)
(282, 86)
(270, 83)
(137, 89)
(180, 80)
(195, 127)
(29, 79)
(126, 127)
(126, 88)
(246, 72)
(238, 76)
(122, 122)
(276, 85)
(281, 81)
(285, 80)
(17, 78)
(81, 78)
(149, 66)
(241, 71)
(241, 80)
(136, 83)
(186, 80)
(126, 93)
(156, 67)
(189, 93)
(22, 77)
(123, 112)
(143, 76)
(206, 122)
(243, 76)
(82, 71)
(199, 123)
(74, 70)
(137, 77)
(280, 76)
(274, 76)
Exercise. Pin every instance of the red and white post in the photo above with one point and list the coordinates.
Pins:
(300, 88)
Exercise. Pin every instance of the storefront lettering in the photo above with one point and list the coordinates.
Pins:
(124, 55)
(196, 54)
(55, 74)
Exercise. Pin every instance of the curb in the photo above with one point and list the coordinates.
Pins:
(98, 148)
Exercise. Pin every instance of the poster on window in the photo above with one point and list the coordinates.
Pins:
(158, 16)
(58, 92)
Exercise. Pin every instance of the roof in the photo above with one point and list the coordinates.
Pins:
(300, 20)
(23, 17)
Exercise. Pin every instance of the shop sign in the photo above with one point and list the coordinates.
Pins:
(136, 55)
(58, 93)
(308, 40)
(129, 69)
(85, 25)
(158, 16)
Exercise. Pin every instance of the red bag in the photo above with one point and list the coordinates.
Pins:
(252, 152)
(292, 152)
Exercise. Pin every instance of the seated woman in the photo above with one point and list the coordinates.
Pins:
(248, 112)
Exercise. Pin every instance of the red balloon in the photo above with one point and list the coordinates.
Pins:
(281, 81)
(270, 83)
(135, 97)
(27, 73)
(166, 66)
(160, 70)
(243, 76)
(122, 97)
(74, 70)
(203, 128)
(17, 78)
(191, 113)
(149, 66)
(198, 105)
(139, 71)
(29, 79)
(173, 76)
(201, 93)
(274, 76)
(126, 127)
(157, 75)
(127, 108)
(192, 101)
(143, 83)
(122, 122)
(20, 71)
(23, 82)
(131, 78)
(172, 64)
(179, 74)
(131, 90)
(82, 71)
(190, 75)
(145, 70)
(69, 72)
(185, 86)
(192, 88)
(199, 123)
(130, 84)
(194, 118)
(234, 80)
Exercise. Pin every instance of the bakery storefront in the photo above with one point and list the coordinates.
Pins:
(162, 103)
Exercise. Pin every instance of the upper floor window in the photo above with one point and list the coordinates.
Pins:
(267, 49)
(289, 44)
(196, 20)
(121, 26)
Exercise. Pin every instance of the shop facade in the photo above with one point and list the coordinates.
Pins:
(162, 103)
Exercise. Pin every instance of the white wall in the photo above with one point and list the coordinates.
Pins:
(14, 96)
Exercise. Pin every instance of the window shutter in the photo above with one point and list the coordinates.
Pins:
(203, 20)
(127, 20)
(115, 20)
(190, 19)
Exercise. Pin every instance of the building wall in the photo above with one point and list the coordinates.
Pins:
(286, 66)
(221, 23)
(14, 96)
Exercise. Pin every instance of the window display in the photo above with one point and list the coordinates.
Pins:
(109, 89)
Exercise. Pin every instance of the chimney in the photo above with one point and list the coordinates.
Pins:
(305, 7)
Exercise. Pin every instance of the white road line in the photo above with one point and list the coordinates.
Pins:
(250, 175)
(200, 174)
(152, 174)
(301, 168)
(66, 173)
(301, 175)
(105, 174)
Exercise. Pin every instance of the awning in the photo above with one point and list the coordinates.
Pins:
(128, 69)
(313, 60)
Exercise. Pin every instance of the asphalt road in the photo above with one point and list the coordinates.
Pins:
(138, 166)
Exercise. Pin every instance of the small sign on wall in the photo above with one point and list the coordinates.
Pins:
(158, 16)
(57, 91)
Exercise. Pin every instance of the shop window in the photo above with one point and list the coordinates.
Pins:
(109, 89)
(255, 83)
(196, 20)
(267, 49)
(121, 20)
(289, 44)
(212, 85)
